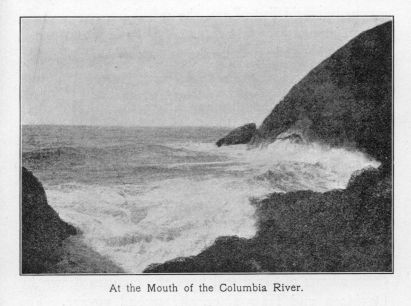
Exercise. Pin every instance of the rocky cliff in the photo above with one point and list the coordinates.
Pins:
(345, 100)
(43, 231)
(50, 245)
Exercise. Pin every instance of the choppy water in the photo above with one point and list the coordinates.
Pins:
(147, 195)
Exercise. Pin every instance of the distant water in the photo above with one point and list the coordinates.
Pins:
(147, 195)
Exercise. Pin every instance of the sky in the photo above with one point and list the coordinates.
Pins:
(170, 71)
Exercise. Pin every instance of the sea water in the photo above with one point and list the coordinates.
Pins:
(143, 195)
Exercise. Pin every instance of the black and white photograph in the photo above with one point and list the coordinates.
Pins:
(206, 145)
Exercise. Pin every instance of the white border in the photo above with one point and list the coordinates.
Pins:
(389, 289)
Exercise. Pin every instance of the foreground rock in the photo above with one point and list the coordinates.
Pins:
(305, 231)
(77, 257)
(240, 135)
(50, 245)
(42, 229)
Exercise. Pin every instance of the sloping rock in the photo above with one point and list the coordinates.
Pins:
(304, 231)
(42, 229)
(347, 99)
(240, 135)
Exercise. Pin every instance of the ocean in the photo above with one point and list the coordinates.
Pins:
(143, 195)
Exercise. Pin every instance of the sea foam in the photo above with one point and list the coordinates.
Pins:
(139, 224)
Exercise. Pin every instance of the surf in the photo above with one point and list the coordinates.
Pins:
(136, 225)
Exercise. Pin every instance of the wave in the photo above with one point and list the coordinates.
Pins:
(136, 225)
(51, 153)
(331, 166)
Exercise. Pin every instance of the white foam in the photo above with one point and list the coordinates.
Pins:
(337, 163)
(136, 225)
(172, 218)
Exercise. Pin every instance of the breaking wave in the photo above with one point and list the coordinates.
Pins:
(157, 220)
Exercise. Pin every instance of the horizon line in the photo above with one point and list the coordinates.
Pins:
(128, 126)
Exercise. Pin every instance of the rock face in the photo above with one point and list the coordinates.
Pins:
(42, 229)
(240, 135)
(344, 100)
(306, 231)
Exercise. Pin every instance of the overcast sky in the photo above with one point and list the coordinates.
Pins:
(174, 71)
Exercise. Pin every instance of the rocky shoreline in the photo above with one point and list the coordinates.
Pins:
(240, 135)
(50, 245)
(304, 231)
(346, 101)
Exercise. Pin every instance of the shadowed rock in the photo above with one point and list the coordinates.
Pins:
(77, 257)
(50, 245)
(42, 229)
(240, 135)
(306, 231)
(345, 100)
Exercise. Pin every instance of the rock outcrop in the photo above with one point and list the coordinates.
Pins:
(50, 245)
(42, 229)
(240, 135)
(305, 231)
(345, 100)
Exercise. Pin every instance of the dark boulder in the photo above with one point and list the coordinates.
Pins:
(42, 229)
(240, 135)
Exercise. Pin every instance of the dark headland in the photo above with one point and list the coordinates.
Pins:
(50, 245)
(345, 101)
